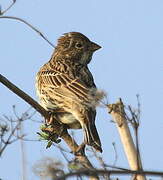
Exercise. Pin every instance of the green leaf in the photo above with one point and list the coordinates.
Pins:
(49, 144)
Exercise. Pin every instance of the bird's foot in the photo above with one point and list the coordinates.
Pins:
(80, 150)
(50, 119)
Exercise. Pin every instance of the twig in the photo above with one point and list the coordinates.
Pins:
(29, 25)
(101, 161)
(3, 12)
(117, 167)
(116, 154)
(9, 138)
(62, 151)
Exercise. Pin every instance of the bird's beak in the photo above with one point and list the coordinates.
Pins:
(94, 46)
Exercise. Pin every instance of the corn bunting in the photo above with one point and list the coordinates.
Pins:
(66, 87)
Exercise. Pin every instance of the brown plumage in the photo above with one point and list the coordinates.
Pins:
(66, 86)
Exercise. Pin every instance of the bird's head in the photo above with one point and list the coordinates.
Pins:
(76, 46)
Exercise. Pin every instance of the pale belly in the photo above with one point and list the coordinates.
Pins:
(65, 117)
(69, 119)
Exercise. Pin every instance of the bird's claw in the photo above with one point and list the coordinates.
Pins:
(51, 118)
(80, 149)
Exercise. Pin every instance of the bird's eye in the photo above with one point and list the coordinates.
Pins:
(79, 45)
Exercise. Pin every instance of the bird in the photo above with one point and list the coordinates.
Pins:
(66, 86)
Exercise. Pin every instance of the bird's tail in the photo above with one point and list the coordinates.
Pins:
(91, 136)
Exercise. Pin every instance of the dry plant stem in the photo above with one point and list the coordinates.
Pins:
(64, 134)
(118, 114)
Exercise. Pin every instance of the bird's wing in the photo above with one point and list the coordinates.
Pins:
(63, 84)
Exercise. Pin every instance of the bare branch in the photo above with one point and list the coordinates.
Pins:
(29, 25)
(116, 154)
(102, 163)
(9, 138)
(24, 96)
(4, 11)
(109, 172)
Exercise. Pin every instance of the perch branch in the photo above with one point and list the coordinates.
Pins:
(109, 172)
(24, 96)
(56, 129)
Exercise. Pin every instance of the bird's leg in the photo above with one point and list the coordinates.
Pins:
(50, 119)
(62, 129)
(53, 116)
(80, 149)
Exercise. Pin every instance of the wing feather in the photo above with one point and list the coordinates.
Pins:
(61, 81)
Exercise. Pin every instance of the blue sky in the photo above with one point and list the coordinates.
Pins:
(129, 63)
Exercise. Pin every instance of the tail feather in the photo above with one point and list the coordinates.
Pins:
(91, 136)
